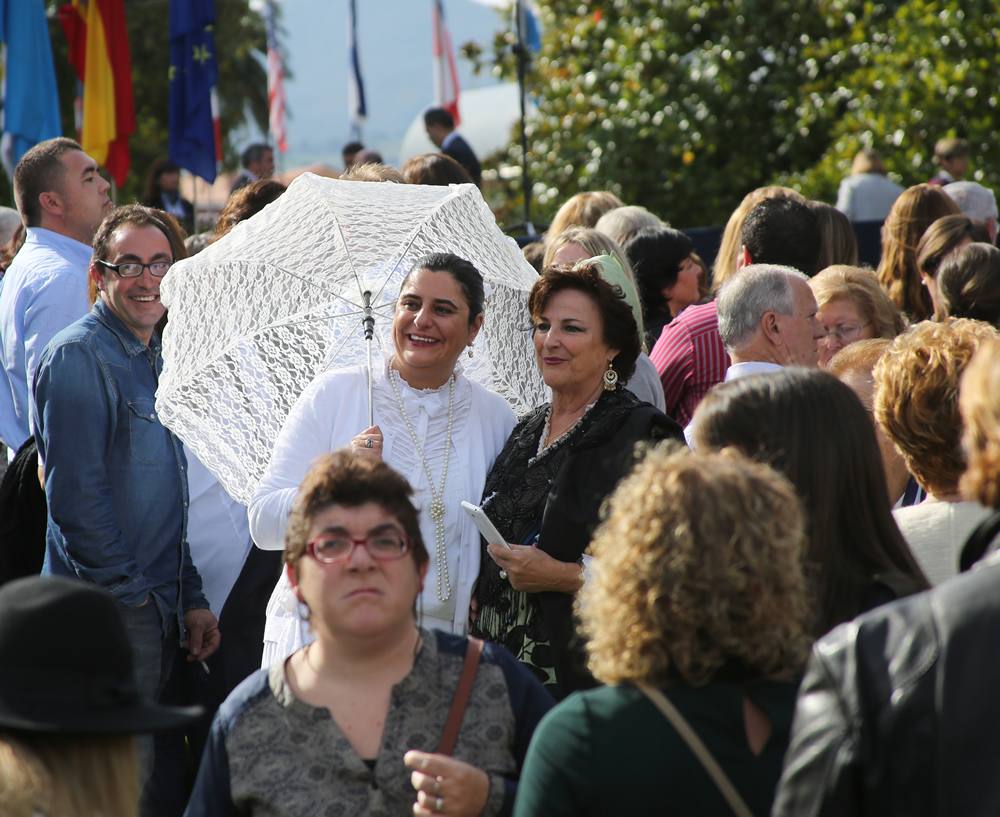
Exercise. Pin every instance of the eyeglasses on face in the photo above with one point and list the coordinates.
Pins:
(845, 333)
(384, 546)
(133, 269)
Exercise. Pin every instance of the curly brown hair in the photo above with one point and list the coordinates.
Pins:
(916, 396)
(246, 202)
(699, 562)
(979, 402)
(341, 478)
(620, 330)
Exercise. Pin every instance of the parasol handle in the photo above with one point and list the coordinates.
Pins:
(368, 321)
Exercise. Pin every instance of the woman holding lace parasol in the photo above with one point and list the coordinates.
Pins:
(436, 427)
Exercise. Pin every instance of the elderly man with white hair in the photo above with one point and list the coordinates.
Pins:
(975, 202)
(767, 320)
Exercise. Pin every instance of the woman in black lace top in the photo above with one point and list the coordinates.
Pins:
(546, 487)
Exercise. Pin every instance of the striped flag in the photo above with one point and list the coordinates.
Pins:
(100, 54)
(446, 88)
(275, 81)
(357, 110)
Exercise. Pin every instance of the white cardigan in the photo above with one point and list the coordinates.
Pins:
(333, 410)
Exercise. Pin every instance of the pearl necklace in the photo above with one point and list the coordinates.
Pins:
(437, 497)
(542, 445)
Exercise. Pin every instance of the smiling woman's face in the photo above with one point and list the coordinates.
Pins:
(431, 328)
(569, 342)
(359, 595)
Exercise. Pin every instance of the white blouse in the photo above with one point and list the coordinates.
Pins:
(333, 410)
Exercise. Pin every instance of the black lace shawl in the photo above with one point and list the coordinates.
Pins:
(554, 500)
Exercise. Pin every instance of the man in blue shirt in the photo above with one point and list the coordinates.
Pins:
(114, 475)
(62, 199)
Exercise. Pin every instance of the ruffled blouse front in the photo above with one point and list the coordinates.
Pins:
(332, 411)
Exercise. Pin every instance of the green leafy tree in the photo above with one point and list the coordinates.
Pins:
(897, 78)
(684, 106)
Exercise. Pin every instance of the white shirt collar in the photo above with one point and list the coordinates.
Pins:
(738, 370)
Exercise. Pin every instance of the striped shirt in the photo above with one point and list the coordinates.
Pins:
(690, 359)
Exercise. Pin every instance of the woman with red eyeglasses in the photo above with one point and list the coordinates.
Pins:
(367, 718)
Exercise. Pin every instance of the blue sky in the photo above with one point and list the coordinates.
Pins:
(394, 38)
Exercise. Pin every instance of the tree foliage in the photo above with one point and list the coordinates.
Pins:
(685, 106)
(242, 91)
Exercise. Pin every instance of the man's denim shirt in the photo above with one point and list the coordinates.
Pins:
(114, 476)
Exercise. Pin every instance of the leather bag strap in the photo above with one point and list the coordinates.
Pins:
(452, 726)
(695, 744)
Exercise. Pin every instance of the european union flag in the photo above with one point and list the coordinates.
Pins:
(193, 73)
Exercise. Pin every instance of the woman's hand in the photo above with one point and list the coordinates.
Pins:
(534, 571)
(368, 444)
(446, 786)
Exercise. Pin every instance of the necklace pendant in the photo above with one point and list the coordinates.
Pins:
(437, 510)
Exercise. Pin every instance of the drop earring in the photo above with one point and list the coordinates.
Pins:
(610, 378)
(470, 350)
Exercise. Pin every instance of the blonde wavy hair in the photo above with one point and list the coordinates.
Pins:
(582, 210)
(66, 776)
(916, 396)
(698, 562)
(979, 403)
(727, 258)
(859, 286)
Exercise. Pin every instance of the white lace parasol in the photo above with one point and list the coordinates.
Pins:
(254, 317)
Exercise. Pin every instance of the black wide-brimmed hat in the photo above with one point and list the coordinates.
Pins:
(66, 665)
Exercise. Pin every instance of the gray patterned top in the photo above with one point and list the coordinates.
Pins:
(273, 755)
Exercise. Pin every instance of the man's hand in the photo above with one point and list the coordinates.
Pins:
(203, 636)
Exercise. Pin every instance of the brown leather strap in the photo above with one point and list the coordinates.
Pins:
(449, 737)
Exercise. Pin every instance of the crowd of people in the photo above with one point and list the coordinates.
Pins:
(728, 570)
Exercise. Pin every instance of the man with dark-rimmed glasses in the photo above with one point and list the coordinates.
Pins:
(115, 477)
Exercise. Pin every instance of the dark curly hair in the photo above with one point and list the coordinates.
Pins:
(619, 329)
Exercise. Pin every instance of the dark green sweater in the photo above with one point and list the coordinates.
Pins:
(610, 751)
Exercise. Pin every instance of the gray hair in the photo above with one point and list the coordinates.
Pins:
(974, 200)
(754, 290)
(623, 223)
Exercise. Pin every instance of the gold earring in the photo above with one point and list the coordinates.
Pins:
(610, 378)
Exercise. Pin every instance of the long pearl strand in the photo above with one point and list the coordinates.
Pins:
(437, 497)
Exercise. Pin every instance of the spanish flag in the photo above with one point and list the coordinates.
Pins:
(100, 54)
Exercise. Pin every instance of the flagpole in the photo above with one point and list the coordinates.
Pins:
(522, 66)
(194, 204)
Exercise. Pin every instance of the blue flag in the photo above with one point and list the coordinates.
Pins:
(31, 105)
(193, 74)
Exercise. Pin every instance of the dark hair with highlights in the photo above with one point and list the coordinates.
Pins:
(247, 202)
(619, 328)
(341, 478)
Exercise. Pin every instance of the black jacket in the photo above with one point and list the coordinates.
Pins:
(461, 151)
(899, 711)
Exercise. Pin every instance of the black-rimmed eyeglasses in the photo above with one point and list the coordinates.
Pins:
(133, 269)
